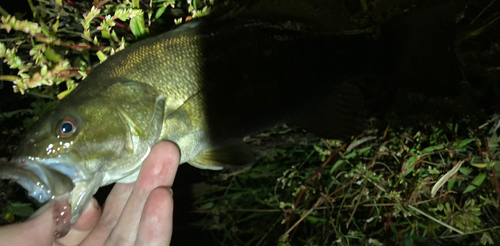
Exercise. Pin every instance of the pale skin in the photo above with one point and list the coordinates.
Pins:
(139, 213)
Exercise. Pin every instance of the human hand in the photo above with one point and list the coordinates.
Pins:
(136, 213)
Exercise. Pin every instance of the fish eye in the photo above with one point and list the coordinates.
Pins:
(67, 127)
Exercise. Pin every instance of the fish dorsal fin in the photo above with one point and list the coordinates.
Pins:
(330, 15)
(229, 155)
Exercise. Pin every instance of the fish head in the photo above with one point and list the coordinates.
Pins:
(88, 142)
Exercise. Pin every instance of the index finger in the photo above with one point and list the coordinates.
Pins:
(158, 170)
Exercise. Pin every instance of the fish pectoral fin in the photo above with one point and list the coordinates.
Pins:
(232, 155)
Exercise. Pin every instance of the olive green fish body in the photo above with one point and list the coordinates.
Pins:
(204, 86)
(230, 78)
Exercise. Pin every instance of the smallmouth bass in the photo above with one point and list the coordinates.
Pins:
(203, 86)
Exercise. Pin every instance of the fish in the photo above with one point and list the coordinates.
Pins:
(203, 86)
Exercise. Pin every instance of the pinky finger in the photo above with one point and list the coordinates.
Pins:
(155, 227)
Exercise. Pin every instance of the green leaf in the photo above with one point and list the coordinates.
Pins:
(365, 151)
(160, 11)
(497, 166)
(393, 228)
(52, 55)
(479, 165)
(102, 57)
(135, 4)
(65, 93)
(12, 113)
(469, 188)
(46, 32)
(315, 220)
(462, 144)
(350, 155)
(55, 27)
(408, 240)
(451, 183)
(251, 216)
(465, 170)
(207, 206)
(432, 148)
(105, 33)
(410, 164)
(336, 165)
(478, 180)
(21, 209)
(138, 27)
(486, 239)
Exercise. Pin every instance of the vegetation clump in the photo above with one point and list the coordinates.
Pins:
(398, 187)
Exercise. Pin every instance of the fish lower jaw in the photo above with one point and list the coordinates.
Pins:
(40, 192)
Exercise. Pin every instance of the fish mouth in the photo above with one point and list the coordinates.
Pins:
(42, 182)
(59, 178)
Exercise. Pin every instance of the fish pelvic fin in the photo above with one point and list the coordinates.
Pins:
(234, 154)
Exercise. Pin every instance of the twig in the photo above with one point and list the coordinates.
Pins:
(354, 211)
(386, 131)
(383, 164)
(301, 193)
(431, 163)
(434, 198)
(319, 202)
(489, 5)
(493, 171)
(204, 211)
(71, 46)
(342, 187)
(229, 186)
(436, 220)
(118, 24)
(97, 4)
(472, 232)
(268, 232)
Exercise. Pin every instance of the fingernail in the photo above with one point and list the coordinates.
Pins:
(91, 205)
(62, 218)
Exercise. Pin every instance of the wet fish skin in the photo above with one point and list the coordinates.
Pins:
(202, 86)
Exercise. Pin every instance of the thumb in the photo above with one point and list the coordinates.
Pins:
(39, 229)
(90, 216)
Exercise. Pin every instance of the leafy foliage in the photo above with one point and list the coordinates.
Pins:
(48, 55)
(373, 190)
